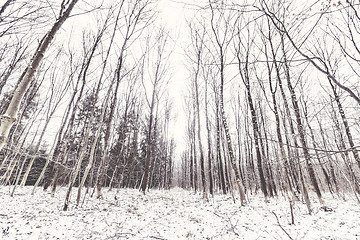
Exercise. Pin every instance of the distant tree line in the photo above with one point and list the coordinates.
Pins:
(99, 96)
(273, 103)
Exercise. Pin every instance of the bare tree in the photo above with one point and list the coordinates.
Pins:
(8, 119)
(55, 94)
(221, 43)
(136, 20)
(88, 126)
(315, 60)
(197, 36)
(244, 71)
(157, 77)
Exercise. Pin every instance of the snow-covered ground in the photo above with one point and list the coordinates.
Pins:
(170, 214)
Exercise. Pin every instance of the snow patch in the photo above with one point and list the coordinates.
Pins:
(171, 214)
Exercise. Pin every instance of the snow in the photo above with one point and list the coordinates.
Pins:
(171, 214)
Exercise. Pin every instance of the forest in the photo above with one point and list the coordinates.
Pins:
(267, 113)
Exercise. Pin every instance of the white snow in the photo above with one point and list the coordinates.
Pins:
(170, 214)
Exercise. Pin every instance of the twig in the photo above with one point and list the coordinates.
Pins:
(120, 235)
(292, 212)
(155, 237)
(229, 225)
(277, 219)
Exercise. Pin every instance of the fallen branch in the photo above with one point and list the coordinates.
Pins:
(277, 219)
(155, 237)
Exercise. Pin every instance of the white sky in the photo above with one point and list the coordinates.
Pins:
(173, 15)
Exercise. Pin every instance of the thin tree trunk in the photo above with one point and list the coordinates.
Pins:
(78, 164)
(194, 154)
(218, 151)
(256, 133)
(58, 146)
(277, 118)
(228, 137)
(31, 162)
(209, 149)
(104, 106)
(19, 171)
(346, 124)
(197, 104)
(327, 178)
(300, 127)
(265, 153)
(130, 29)
(8, 119)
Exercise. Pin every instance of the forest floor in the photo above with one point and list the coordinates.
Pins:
(171, 214)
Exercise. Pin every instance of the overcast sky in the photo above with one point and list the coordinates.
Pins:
(173, 15)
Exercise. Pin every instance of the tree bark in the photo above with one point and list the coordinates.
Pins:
(8, 119)
(346, 125)
(4, 6)
(300, 127)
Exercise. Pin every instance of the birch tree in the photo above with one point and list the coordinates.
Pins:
(8, 119)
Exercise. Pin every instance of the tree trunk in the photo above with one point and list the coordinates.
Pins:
(78, 164)
(300, 127)
(8, 119)
(277, 118)
(4, 6)
(104, 106)
(227, 135)
(209, 149)
(218, 151)
(346, 124)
